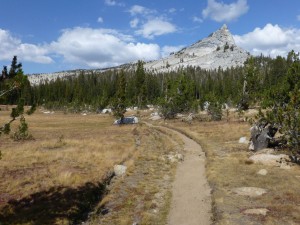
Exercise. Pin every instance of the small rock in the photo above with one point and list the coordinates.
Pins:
(120, 170)
(172, 158)
(258, 211)
(249, 191)
(243, 140)
(166, 177)
(262, 172)
(180, 157)
(251, 146)
(285, 166)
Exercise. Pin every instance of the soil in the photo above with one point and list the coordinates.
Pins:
(191, 201)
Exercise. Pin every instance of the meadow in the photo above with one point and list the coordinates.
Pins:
(62, 175)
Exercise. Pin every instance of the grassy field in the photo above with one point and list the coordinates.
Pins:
(228, 168)
(59, 177)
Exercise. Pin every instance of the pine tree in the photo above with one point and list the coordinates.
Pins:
(11, 85)
(140, 85)
(119, 106)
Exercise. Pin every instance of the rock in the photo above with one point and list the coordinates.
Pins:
(267, 151)
(154, 118)
(251, 146)
(180, 157)
(249, 191)
(209, 53)
(243, 140)
(258, 211)
(179, 115)
(154, 114)
(261, 136)
(285, 166)
(120, 170)
(262, 172)
(172, 158)
(175, 158)
(104, 111)
(269, 159)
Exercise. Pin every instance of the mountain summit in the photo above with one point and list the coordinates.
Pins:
(217, 50)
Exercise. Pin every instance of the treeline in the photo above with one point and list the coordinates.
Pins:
(142, 88)
(258, 82)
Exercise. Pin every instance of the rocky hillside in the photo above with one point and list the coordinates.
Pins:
(217, 50)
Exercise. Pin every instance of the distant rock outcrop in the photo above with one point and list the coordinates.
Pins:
(217, 50)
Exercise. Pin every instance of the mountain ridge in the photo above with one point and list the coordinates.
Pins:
(218, 50)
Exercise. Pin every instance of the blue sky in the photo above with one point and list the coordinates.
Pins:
(56, 35)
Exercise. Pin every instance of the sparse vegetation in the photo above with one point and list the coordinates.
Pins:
(228, 167)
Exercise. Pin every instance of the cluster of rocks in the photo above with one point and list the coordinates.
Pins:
(172, 157)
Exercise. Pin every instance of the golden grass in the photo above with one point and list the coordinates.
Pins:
(68, 151)
(228, 167)
(58, 176)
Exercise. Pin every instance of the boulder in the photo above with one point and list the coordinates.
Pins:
(104, 111)
(120, 170)
(243, 140)
(261, 136)
(262, 172)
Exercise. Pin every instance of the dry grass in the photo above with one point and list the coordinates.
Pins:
(70, 154)
(228, 167)
(57, 178)
(143, 196)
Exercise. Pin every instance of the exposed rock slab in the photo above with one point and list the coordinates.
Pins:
(217, 50)
(269, 159)
(258, 211)
(249, 191)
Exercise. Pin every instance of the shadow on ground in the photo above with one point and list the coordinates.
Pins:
(57, 205)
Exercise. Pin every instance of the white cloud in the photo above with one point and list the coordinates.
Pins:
(221, 12)
(172, 10)
(10, 46)
(113, 3)
(166, 50)
(134, 23)
(270, 40)
(100, 20)
(156, 27)
(101, 48)
(197, 19)
(137, 9)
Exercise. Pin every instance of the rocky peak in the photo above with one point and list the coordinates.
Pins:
(218, 38)
(217, 50)
(223, 35)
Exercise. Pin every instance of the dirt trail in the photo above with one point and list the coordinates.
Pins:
(191, 201)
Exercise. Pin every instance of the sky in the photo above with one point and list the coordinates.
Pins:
(57, 35)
